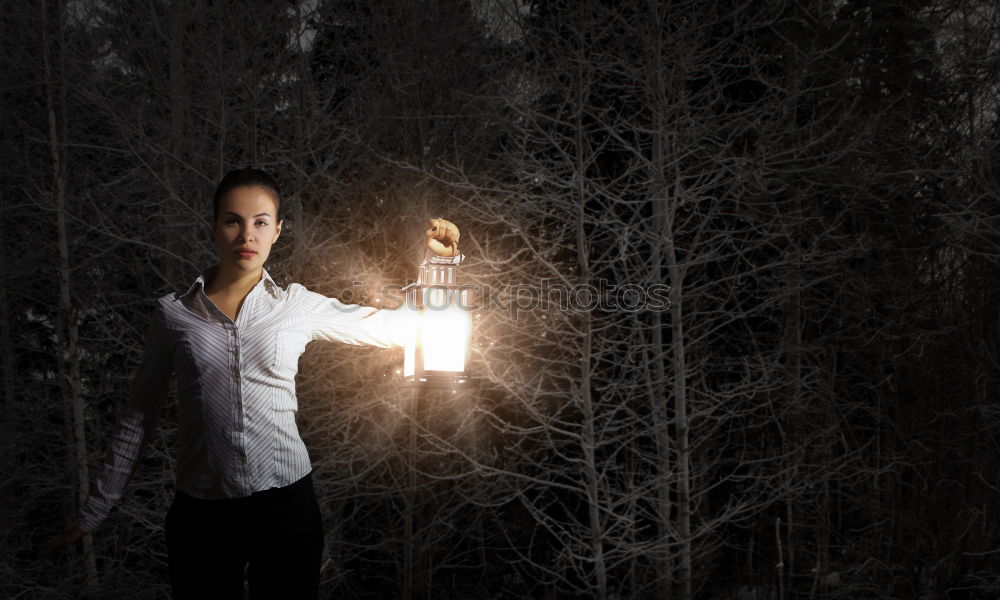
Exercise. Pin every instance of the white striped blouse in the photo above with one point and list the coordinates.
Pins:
(235, 388)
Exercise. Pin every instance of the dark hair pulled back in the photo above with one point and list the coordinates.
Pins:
(248, 177)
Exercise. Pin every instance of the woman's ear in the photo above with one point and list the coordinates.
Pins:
(277, 229)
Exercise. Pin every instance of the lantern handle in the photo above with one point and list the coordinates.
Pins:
(431, 258)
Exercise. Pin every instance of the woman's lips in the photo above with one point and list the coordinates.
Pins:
(245, 253)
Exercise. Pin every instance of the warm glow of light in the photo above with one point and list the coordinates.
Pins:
(444, 335)
(436, 338)
(410, 343)
(444, 338)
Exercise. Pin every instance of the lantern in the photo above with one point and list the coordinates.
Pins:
(437, 349)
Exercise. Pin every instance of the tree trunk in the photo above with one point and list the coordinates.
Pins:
(409, 510)
(664, 566)
(6, 340)
(7, 400)
(67, 328)
(586, 399)
(680, 415)
(173, 176)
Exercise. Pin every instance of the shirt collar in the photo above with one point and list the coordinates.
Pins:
(207, 274)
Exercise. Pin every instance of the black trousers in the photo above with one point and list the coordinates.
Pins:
(275, 536)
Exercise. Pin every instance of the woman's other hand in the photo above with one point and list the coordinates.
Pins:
(442, 237)
(72, 534)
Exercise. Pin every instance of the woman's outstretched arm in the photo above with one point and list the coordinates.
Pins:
(332, 320)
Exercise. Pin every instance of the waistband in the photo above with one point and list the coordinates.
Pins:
(303, 484)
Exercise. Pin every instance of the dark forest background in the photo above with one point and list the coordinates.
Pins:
(816, 415)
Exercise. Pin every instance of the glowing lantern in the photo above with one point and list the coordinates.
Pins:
(437, 349)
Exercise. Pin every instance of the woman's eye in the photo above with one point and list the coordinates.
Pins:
(262, 221)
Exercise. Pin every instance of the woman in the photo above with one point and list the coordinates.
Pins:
(244, 497)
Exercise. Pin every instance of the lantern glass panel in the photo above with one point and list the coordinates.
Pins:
(444, 337)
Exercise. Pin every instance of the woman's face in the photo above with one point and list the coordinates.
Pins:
(246, 220)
